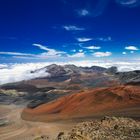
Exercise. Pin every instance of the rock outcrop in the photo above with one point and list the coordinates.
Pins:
(109, 128)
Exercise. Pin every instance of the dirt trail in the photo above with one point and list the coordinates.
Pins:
(18, 129)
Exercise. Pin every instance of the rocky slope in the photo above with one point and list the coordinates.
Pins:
(109, 128)
(131, 77)
(62, 73)
(61, 70)
(31, 98)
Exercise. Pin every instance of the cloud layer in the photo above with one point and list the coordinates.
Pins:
(18, 72)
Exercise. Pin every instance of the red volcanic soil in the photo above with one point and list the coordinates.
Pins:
(120, 100)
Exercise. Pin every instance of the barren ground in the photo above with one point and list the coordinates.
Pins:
(18, 129)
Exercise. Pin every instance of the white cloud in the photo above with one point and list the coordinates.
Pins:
(129, 3)
(36, 57)
(50, 52)
(124, 53)
(16, 53)
(77, 55)
(73, 28)
(19, 72)
(102, 54)
(2, 66)
(81, 50)
(122, 65)
(92, 47)
(131, 51)
(133, 48)
(41, 47)
(91, 50)
(73, 50)
(83, 39)
(83, 12)
(104, 39)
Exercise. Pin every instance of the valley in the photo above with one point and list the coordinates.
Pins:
(42, 108)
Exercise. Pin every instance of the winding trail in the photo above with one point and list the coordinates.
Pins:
(18, 129)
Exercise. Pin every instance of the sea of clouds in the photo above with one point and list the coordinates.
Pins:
(17, 72)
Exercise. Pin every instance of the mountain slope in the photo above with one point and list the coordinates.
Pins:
(132, 77)
(89, 103)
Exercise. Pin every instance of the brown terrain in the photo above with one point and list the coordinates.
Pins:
(45, 108)
(12, 127)
(118, 101)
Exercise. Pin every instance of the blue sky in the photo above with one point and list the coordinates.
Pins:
(66, 30)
